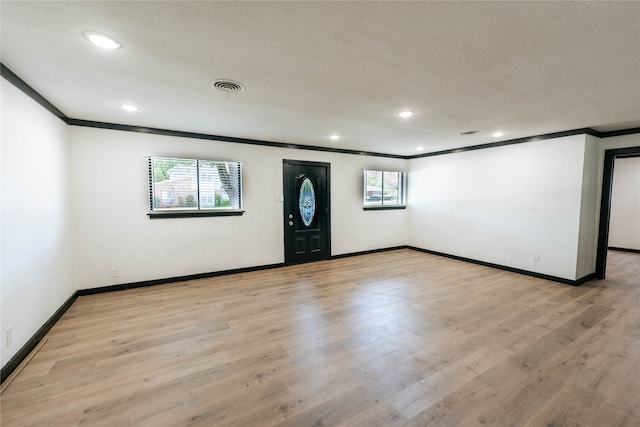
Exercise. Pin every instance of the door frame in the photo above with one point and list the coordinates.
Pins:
(285, 219)
(610, 157)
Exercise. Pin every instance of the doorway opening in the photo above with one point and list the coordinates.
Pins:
(610, 157)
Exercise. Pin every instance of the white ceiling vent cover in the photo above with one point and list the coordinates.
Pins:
(227, 86)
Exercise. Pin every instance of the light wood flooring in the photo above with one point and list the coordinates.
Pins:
(399, 338)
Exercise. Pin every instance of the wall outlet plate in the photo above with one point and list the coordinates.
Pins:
(9, 335)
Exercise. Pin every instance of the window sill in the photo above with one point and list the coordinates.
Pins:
(193, 214)
(383, 208)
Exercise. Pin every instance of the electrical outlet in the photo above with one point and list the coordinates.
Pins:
(114, 272)
(536, 257)
(9, 335)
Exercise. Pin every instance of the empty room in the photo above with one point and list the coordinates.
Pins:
(320, 213)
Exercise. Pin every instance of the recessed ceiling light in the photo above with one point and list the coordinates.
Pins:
(101, 40)
(129, 107)
(406, 113)
(420, 148)
(334, 137)
(498, 134)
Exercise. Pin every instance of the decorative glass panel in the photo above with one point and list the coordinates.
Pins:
(307, 201)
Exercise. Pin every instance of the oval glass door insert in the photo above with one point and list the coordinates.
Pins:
(307, 201)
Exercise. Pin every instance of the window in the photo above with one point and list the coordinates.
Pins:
(384, 189)
(191, 187)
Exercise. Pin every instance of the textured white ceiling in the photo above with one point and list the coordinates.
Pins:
(315, 68)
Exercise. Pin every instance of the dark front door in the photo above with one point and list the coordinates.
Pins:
(306, 211)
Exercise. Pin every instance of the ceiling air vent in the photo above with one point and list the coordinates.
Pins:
(227, 86)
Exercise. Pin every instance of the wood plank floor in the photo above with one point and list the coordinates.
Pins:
(400, 338)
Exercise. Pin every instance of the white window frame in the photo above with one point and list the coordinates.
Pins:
(197, 210)
(402, 191)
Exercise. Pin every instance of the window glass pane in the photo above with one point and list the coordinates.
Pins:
(211, 190)
(391, 186)
(175, 183)
(220, 184)
(373, 187)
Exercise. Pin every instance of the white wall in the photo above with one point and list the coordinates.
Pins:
(110, 205)
(36, 277)
(589, 208)
(624, 141)
(624, 228)
(502, 205)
